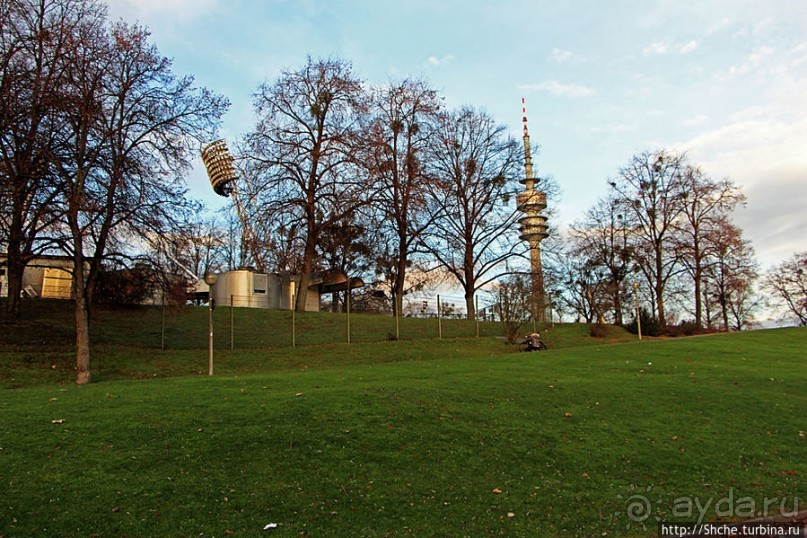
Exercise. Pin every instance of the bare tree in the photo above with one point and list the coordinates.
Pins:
(197, 245)
(706, 206)
(303, 144)
(650, 193)
(133, 128)
(728, 278)
(514, 299)
(403, 120)
(346, 246)
(37, 42)
(602, 238)
(787, 282)
(474, 169)
(585, 286)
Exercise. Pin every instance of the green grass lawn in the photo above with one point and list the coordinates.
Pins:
(453, 437)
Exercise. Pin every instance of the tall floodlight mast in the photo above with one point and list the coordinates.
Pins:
(220, 167)
(532, 225)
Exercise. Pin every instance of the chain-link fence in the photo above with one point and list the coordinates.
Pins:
(236, 325)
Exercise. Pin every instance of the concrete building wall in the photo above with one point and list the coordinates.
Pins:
(46, 276)
(244, 288)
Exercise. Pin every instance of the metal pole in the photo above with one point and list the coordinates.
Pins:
(397, 314)
(210, 326)
(476, 315)
(162, 325)
(293, 328)
(638, 313)
(439, 319)
(347, 304)
(232, 324)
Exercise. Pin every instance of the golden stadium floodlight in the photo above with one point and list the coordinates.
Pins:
(220, 167)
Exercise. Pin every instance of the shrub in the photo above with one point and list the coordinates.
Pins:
(125, 286)
(597, 330)
(650, 325)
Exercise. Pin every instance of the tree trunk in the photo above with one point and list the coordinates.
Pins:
(14, 271)
(470, 279)
(15, 263)
(698, 300)
(659, 288)
(697, 278)
(724, 310)
(662, 321)
(305, 274)
(707, 309)
(469, 304)
(82, 321)
(399, 285)
(617, 306)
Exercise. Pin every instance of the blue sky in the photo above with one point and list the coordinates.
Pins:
(724, 80)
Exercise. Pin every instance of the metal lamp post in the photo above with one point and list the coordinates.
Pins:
(210, 279)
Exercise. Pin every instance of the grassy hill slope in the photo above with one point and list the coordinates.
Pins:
(127, 341)
(424, 438)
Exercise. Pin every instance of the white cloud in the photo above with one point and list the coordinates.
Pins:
(753, 62)
(561, 56)
(688, 47)
(762, 149)
(762, 146)
(553, 87)
(434, 61)
(670, 47)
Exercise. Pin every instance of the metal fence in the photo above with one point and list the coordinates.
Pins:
(242, 327)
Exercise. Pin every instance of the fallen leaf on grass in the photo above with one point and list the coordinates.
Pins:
(568, 415)
(497, 491)
(57, 421)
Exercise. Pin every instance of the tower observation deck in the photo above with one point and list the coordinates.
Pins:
(533, 227)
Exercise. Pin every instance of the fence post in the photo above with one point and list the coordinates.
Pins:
(232, 324)
(347, 304)
(439, 319)
(396, 312)
(476, 315)
(162, 325)
(293, 328)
